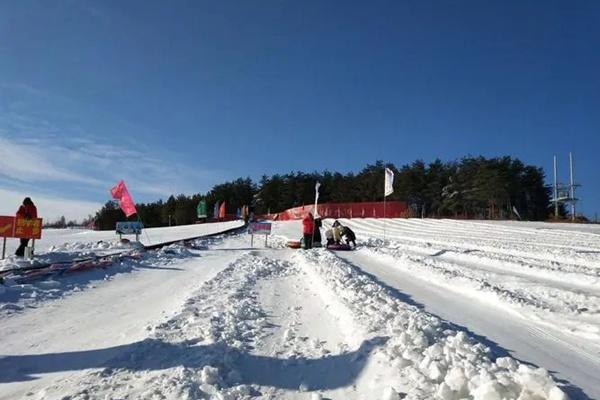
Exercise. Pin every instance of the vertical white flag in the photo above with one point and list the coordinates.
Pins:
(317, 186)
(389, 182)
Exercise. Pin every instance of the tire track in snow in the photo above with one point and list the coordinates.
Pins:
(493, 243)
(221, 344)
(525, 341)
(482, 229)
(430, 356)
(437, 247)
(554, 308)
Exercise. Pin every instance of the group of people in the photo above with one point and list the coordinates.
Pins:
(311, 233)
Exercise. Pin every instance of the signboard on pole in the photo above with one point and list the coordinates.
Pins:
(7, 226)
(129, 228)
(26, 228)
(259, 228)
(22, 228)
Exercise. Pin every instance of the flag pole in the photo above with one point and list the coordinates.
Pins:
(143, 229)
(384, 198)
(312, 239)
(384, 214)
(388, 188)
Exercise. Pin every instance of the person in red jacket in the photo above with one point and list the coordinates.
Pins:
(308, 227)
(28, 211)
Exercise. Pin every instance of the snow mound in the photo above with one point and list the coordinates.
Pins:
(439, 360)
(94, 246)
(174, 250)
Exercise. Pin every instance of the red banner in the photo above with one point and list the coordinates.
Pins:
(11, 227)
(393, 209)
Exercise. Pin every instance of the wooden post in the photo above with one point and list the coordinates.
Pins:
(32, 247)
(252, 240)
(4, 248)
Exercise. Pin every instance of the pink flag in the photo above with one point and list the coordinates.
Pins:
(119, 192)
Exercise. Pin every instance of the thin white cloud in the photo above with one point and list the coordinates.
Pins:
(49, 208)
(29, 163)
(95, 166)
(43, 149)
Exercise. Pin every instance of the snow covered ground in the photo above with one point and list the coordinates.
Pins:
(435, 309)
(530, 289)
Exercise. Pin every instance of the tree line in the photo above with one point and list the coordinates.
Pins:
(473, 187)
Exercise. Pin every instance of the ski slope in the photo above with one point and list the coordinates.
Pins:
(531, 289)
(435, 309)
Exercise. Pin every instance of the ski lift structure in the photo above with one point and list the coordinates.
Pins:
(565, 194)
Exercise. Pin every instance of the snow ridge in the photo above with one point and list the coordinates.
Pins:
(432, 359)
(195, 354)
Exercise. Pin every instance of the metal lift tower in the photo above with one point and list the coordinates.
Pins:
(565, 193)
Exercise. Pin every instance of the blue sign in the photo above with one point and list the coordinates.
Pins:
(129, 228)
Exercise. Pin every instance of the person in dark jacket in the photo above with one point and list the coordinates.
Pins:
(308, 228)
(349, 235)
(317, 236)
(27, 211)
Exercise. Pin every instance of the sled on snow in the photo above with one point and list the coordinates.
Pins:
(299, 244)
(294, 244)
(339, 247)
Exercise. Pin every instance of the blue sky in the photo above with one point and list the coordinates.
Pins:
(177, 96)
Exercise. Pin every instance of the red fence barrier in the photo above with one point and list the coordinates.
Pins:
(393, 209)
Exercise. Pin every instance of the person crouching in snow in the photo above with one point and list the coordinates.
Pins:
(27, 211)
(329, 237)
(349, 235)
(308, 228)
(337, 232)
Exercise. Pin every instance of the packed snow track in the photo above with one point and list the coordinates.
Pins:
(430, 309)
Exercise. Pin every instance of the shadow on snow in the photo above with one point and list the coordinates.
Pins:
(327, 372)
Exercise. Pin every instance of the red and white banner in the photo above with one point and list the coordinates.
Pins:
(389, 182)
